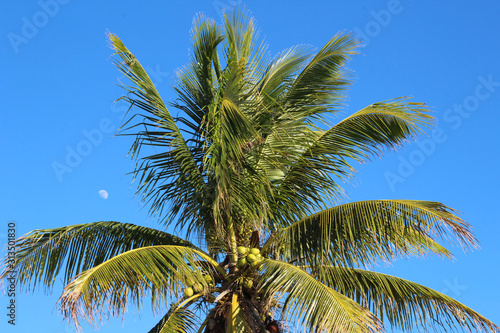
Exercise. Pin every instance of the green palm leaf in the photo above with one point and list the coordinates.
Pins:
(320, 86)
(381, 125)
(403, 303)
(279, 73)
(42, 254)
(173, 174)
(312, 179)
(158, 270)
(179, 319)
(359, 233)
(197, 81)
(241, 48)
(320, 308)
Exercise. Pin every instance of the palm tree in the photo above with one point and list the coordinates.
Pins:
(249, 170)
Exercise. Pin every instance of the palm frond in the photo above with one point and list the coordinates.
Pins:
(242, 48)
(279, 73)
(236, 183)
(304, 181)
(159, 271)
(320, 308)
(179, 319)
(197, 82)
(386, 124)
(404, 304)
(320, 86)
(42, 254)
(325, 159)
(172, 174)
(229, 133)
(360, 233)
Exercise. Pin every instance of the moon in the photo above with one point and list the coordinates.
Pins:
(103, 194)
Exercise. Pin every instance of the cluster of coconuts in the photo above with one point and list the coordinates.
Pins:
(196, 287)
(251, 256)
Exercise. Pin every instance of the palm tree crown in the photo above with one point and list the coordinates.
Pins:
(250, 168)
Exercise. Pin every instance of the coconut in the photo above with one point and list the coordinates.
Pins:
(255, 251)
(241, 262)
(188, 292)
(251, 258)
(242, 251)
(198, 287)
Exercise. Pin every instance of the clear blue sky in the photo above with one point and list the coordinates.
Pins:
(57, 118)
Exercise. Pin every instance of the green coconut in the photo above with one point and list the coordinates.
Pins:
(251, 258)
(242, 251)
(241, 262)
(255, 251)
(198, 288)
(188, 292)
